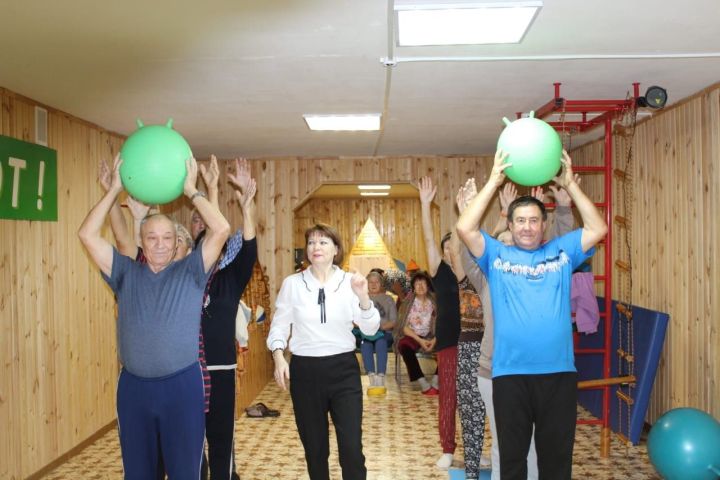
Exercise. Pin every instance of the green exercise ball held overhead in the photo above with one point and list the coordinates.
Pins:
(534, 148)
(153, 169)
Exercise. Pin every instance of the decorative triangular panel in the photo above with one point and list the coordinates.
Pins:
(369, 251)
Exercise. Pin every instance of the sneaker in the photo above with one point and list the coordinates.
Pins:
(432, 392)
(445, 460)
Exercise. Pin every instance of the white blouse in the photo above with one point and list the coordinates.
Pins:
(314, 334)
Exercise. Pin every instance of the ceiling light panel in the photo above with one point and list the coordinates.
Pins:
(367, 122)
(464, 23)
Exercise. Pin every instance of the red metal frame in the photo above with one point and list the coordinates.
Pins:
(607, 110)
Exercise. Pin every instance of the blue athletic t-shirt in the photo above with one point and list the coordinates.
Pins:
(530, 291)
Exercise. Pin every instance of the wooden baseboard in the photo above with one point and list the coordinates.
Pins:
(72, 452)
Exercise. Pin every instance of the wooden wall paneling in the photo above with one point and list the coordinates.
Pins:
(50, 308)
(9, 378)
(10, 446)
(711, 239)
(688, 161)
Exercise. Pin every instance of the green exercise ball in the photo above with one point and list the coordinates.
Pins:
(534, 149)
(153, 169)
(684, 444)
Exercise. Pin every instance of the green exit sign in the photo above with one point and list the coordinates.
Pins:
(28, 181)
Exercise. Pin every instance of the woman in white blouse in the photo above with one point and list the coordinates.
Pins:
(321, 304)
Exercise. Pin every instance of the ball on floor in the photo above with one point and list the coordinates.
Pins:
(684, 443)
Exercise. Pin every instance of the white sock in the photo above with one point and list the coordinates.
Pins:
(445, 461)
(372, 378)
(381, 380)
(435, 382)
(424, 385)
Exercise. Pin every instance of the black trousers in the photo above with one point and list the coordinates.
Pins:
(549, 402)
(220, 425)
(322, 385)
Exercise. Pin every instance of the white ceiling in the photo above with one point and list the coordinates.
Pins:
(236, 76)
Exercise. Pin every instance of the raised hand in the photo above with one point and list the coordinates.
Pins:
(497, 175)
(507, 195)
(138, 209)
(245, 197)
(562, 197)
(211, 174)
(241, 179)
(359, 285)
(466, 194)
(115, 180)
(427, 190)
(191, 178)
(538, 193)
(104, 175)
(566, 176)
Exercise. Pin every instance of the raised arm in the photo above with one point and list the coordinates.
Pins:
(100, 250)
(564, 219)
(118, 225)
(139, 211)
(427, 193)
(507, 195)
(245, 195)
(471, 269)
(217, 226)
(594, 226)
(211, 177)
(455, 244)
(469, 221)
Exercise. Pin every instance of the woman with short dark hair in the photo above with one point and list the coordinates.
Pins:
(321, 304)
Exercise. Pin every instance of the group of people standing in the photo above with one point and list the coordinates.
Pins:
(495, 311)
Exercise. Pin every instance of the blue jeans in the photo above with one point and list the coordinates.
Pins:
(380, 347)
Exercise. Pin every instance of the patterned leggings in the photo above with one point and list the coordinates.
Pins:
(472, 408)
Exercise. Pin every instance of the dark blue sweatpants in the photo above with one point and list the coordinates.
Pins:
(166, 412)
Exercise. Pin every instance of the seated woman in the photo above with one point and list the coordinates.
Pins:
(380, 342)
(415, 328)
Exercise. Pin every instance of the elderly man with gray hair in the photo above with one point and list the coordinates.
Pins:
(160, 399)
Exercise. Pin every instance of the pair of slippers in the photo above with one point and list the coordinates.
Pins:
(260, 410)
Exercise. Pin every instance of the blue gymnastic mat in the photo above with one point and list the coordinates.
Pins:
(649, 329)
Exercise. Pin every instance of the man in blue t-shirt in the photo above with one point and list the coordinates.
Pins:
(533, 370)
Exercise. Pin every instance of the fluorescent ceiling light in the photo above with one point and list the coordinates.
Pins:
(343, 122)
(464, 23)
(374, 194)
(373, 187)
